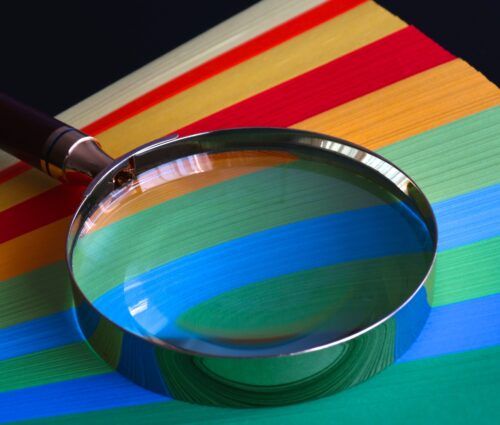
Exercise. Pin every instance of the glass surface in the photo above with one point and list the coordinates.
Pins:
(254, 251)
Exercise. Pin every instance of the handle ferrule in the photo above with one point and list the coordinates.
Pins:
(72, 156)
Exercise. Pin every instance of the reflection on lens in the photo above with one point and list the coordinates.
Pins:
(259, 252)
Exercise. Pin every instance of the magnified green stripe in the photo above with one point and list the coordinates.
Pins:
(35, 294)
(58, 364)
(344, 296)
(444, 389)
(453, 159)
(298, 378)
(211, 216)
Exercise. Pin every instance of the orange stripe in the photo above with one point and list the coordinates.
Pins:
(346, 124)
(33, 250)
(184, 176)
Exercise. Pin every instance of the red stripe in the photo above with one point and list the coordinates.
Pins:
(13, 170)
(225, 61)
(54, 204)
(386, 61)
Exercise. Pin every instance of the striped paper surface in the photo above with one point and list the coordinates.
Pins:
(348, 68)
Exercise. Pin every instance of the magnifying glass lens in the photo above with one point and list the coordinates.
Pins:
(250, 252)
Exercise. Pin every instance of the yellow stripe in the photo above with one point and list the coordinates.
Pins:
(343, 34)
(24, 186)
(33, 250)
(411, 106)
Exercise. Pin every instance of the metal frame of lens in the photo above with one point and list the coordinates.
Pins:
(216, 379)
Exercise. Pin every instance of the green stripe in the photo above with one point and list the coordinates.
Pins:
(467, 272)
(44, 367)
(36, 294)
(453, 389)
(453, 159)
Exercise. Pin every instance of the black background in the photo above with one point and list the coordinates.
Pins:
(55, 54)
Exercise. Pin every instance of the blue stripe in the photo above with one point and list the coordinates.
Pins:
(463, 326)
(76, 396)
(39, 334)
(468, 218)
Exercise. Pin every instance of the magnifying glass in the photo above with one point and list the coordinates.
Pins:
(243, 267)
